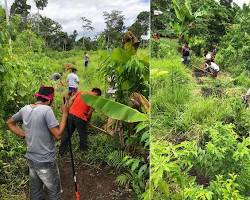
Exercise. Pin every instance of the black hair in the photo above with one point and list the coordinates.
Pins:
(74, 69)
(41, 99)
(97, 90)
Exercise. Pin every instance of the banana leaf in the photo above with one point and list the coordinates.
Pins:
(114, 109)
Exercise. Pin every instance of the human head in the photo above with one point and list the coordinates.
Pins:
(97, 91)
(186, 43)
(74, 70)
(208, 62)
(45, 95)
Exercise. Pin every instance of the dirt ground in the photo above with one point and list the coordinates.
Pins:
(95, 183)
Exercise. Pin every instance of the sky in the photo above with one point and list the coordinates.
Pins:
(69, 12)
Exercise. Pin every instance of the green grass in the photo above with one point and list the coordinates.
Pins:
(183, 111)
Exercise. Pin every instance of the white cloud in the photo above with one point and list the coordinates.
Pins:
(68, 12)
(241, 2)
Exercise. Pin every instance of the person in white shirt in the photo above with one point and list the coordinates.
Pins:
(213, 68)
(73, 81)
(246, 98)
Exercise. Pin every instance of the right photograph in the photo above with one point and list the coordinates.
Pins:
(200, 91)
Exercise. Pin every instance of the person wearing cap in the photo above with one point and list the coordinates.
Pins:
(78, 118)
(40, 129)
(73, 81)
(86, 59)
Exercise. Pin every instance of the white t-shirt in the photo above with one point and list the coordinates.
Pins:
(73, 80)
(215, 67)
(248, 92)
(86, 57)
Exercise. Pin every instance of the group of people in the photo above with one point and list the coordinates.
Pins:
(40, 129)
(210, 66)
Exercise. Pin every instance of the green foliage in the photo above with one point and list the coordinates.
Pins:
(170, 88)
(235, 44)
(163, 49)
(20, 7)
(100, 147)
(137, 171)
(114, 27)
(114, 109)
(200, 134)
(28, 41)
(141, 25)
(128, 71)
(12, 165)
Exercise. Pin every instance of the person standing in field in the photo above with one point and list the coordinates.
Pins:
(246, 98)
(73, 81)
(40, 129)
(185, 51)
(78, 118)
(86, 59)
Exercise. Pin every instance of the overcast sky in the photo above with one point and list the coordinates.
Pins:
(68, 12)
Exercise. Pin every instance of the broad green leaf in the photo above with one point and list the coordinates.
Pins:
(164, 187)
(114, 109)
(142, 170)
(135, 165)
(120, 55)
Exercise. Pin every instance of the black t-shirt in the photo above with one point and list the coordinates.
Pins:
(185, 51)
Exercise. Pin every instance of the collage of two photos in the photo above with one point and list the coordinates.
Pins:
(125, 100)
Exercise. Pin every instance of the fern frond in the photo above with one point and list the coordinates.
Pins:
(115, 159)
(124, 179)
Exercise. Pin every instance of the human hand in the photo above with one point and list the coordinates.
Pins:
(65, 108)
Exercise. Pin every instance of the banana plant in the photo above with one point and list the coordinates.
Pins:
(185, 16)
(114, 109)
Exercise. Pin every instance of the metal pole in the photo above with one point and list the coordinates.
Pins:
(8, 22)
(73, 170)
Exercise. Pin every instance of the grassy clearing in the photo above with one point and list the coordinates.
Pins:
(199, 131)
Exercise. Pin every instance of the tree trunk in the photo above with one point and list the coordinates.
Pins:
(8, 23)
(38, 26)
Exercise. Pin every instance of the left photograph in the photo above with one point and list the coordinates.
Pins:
(74, 101)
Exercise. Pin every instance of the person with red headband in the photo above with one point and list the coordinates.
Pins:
(40, 129)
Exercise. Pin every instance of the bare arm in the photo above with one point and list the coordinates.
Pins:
(72, 99)
(58, 131)
(12, 125)
(89, 114)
